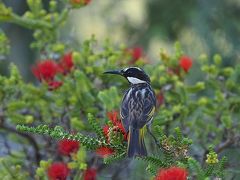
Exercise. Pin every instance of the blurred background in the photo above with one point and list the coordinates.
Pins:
(201, 26)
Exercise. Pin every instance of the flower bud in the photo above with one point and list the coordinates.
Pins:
(83, 166)
(53, 5)
(217, 59)
(200, 85)
(202, 101)
(177, 109)
(179, 84)
(212, 158)
(162, 80)
(29, 119)
(43, 12)
(73, 100)
(203, 58)
(161, 68)
(44, 164)
(93, 58)
(205, 68)
(76, 57)
(174, 78)
(228, 71)
(40, 172)
(230, 84)
(72, 165)
(28, 15)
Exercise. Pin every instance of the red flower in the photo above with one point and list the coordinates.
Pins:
(105, 130)
(45, 70)
(104, 151)
(90, 174)
(113, 117)
(66, 63)
(66, 147)
(87, 2)
(54, 85)
(137, 53)
(185, 63)
(58, 171)
(120, 127)
(80, 2)
(172, 173)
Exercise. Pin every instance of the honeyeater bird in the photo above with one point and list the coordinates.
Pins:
(137, 108)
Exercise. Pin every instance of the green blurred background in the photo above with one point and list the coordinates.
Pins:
(201, 26)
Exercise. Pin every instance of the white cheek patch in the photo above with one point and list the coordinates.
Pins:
(134, 80)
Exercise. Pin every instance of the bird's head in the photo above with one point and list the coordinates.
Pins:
(134, 75)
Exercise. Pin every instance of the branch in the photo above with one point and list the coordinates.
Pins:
(7, 15)
(29, 23)
(63, 16)
(219, 148)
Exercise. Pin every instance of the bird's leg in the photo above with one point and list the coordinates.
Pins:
(155, 139)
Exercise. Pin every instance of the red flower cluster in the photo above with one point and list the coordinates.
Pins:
(113, 117)
(104, 151)
(66, 63)
(87, 1)
(136, 53)
(54, 85)
(172, 173)
(80, 2)
(58, 171)
(105, 130)
(46, 71)
(185, 63)
(90, 174)
(118, 127)
(67, 147)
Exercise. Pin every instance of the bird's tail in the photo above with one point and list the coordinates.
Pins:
(136, 144)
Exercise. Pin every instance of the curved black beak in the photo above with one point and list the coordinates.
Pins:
(119, 72)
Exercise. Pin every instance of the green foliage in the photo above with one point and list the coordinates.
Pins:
(4, 45)
(58, 133)
(115, 157)
(106, 98)
(90, 143)
(195, 167)
(11, 167)
(192, 112)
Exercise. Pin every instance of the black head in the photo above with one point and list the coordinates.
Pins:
(134, 75)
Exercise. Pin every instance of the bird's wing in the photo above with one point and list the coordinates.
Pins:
(138, 107)
(148, 108)
(124, 111)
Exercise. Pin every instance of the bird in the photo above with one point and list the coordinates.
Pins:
(137, 108)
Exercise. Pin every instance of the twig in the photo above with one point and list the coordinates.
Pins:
(155, 139)
(219, 148)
